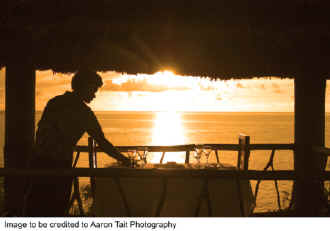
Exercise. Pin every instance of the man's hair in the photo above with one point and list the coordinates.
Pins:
(84, 79)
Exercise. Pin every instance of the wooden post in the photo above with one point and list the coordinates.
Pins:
(19, 126)
(309, 132)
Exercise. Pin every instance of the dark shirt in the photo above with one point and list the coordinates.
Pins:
(65, 119)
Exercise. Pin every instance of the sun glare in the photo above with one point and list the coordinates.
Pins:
(168, 130)
(167, 73)
(165, 78)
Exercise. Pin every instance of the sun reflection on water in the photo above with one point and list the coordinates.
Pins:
(168, 130)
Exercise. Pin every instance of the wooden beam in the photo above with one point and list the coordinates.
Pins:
(309, 132)
(154, 172)
(157, 172)
(19, 126)
(190, 147)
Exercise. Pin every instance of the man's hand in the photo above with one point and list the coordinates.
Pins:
(112, 151)
(125, 162)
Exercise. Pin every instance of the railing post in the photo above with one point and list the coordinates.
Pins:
(244, 152)
(92, 164)
(187, 157)
(242, 165)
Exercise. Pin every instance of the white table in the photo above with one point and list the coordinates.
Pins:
(156, 191)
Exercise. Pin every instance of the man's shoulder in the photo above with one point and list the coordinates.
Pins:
(70, 101)
(59, 100)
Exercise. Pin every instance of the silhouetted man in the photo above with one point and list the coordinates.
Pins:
(65, 119)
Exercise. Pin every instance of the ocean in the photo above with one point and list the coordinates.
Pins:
(171, 128)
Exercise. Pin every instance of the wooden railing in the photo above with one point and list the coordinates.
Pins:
(244, 173)
(243, 148)
(250, 174)
(190, 147)
(86, 172)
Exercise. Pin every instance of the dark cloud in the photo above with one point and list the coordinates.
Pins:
(138, 85)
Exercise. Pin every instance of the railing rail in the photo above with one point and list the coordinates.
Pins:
(107, 172)
(190, 147)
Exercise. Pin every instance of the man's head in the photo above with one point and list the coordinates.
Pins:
(86, 83)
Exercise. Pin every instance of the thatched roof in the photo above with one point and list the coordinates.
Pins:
(223, 38)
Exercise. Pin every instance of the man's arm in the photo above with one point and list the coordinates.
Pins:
(95, 131)
(108, 148)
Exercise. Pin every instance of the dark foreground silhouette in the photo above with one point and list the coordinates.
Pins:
(65, 119)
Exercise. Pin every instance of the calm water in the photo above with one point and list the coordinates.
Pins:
(165, 128)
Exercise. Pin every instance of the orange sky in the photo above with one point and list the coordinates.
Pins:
(165, 91)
